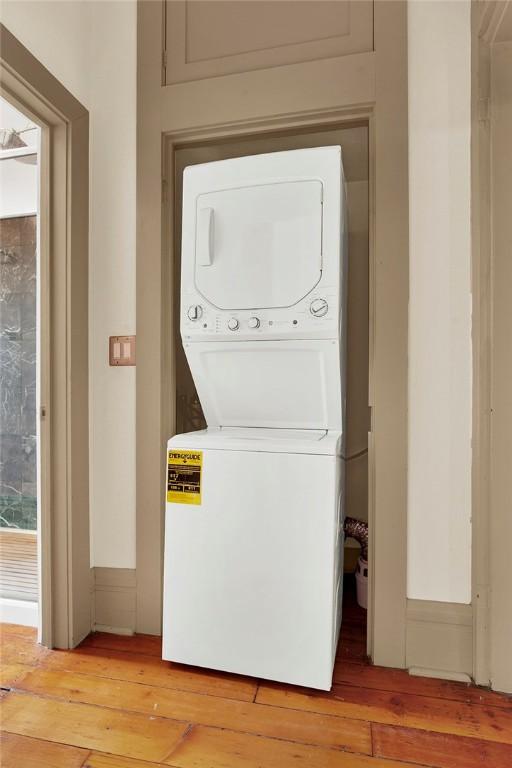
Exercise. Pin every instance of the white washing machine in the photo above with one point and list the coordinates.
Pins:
(254, 515)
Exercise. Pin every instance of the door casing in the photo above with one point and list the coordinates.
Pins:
(65, 614)
(492, 415)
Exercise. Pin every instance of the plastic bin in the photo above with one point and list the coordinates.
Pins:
(362, 582)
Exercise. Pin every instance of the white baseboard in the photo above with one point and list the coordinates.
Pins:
(439, 641)
(113, 600)
(458, 677)
(19, 612)
(114, 630)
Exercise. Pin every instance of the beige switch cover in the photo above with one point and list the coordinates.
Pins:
(122, 350)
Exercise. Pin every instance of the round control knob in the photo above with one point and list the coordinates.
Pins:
(318, 307)
(253, 322)
(195, 312)
(233, 324)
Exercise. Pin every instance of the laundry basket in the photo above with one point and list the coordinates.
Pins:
(362, 582)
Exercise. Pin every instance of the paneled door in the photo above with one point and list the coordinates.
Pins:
(208, 39)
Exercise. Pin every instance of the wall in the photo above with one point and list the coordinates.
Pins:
(56, 33)
(91, 48)
(112, 278)
(440, 366)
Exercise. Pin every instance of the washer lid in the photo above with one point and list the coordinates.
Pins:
(259, 246)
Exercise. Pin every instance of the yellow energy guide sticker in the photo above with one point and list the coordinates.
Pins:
(184, 477)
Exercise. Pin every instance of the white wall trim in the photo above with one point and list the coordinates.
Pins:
(439, 639)
(114, 599)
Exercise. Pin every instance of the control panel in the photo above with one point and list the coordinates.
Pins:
(314, 316)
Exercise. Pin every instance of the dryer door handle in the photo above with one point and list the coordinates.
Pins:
(204, 255)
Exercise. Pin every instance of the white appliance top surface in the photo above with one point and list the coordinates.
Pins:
(310, 441)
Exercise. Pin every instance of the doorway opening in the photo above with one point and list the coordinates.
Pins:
(354, 141)
(20, 141)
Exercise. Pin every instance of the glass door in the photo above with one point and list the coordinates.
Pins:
(19, 174)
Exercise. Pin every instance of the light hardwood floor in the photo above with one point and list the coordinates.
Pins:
(113, 703)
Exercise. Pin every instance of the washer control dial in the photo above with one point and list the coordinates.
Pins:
(253, 322)
(233, 324)
(318, 307)
(195, 312)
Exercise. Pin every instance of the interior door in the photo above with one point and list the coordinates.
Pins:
(259, 247)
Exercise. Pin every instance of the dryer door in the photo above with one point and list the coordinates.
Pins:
(260, 246)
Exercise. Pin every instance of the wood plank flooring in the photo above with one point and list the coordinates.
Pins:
(112, 703)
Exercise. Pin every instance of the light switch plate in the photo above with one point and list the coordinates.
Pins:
(122, 350)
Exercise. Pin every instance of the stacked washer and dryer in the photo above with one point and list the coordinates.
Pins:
(254, 515)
